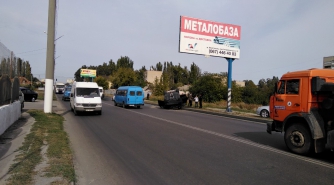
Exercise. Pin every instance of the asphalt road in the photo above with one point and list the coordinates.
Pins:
(157, 146)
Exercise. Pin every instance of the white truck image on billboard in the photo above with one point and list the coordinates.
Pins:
(85, 97)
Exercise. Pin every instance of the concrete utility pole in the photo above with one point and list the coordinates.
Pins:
(49, 71)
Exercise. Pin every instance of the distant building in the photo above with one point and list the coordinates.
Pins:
(328, 62)
(150, 76)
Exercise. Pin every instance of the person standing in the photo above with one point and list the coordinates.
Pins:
(196, 101)
(200, 98)
(190, 100)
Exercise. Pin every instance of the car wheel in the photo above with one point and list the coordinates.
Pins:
(33, 99)
(264, 113)
(99, 112)
(298, 139)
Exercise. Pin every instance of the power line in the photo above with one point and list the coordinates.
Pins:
(30, 51)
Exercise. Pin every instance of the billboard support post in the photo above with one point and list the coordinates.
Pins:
(229, 84)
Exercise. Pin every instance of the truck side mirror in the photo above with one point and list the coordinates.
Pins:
(275, 91)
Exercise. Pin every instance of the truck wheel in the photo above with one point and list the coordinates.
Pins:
(138, 107)
(115, 104)
(75, 112)
(264, 113)
(298, 139)
(123, 105)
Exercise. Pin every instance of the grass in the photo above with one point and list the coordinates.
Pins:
(41, 95)
(241, 107)
(48, 128)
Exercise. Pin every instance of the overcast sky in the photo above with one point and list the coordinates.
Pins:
(277, 36)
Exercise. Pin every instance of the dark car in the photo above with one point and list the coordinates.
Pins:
(29, 95)
(67, 93)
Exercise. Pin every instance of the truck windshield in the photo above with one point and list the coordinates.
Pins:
(88, 92)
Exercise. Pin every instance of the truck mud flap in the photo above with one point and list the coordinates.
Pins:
(330, 139)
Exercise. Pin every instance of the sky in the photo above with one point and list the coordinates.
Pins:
(277, 36)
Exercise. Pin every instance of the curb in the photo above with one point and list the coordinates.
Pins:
(223, 114)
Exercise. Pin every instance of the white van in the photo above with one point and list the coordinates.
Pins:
(101, 92)
(85, 97)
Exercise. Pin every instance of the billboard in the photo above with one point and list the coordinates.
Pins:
(209, 38)
(88, 73)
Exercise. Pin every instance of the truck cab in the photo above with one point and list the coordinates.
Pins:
(302, 108)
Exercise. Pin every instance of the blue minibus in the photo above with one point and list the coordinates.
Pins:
(129, 96)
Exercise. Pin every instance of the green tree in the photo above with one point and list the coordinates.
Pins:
(250, 94)
(141, 77)
(28, 74)
(124, 77)
(160, 86)
(195, 73)
(102, 81)
(19, 66)
(158, 66)
(77, 75)
(210, 86)
(124, 62)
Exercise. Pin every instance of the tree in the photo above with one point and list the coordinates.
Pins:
(101, 81)
(158, 66)
(77, 75)
(250, 93)
(236, 94)
(195, 73)
(161, 86)
(19, 67)
(124, 62)
(141, 77)
(28, 74)
(124, 77)
(210, 86)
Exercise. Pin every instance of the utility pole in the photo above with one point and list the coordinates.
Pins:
(11, 64)
(49, 71)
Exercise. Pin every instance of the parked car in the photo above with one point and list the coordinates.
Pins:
(263, 111)
(67, 93)
(29, 95)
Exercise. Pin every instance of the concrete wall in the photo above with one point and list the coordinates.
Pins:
(8, 115)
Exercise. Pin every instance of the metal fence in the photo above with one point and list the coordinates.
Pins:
(9, 91)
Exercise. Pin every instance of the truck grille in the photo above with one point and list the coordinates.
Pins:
(88, 105)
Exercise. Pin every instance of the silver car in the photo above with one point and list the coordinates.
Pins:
(263, 111)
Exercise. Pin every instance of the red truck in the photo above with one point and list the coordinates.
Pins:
(303, 108)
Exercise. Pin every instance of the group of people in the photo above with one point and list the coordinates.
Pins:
(196, 99)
